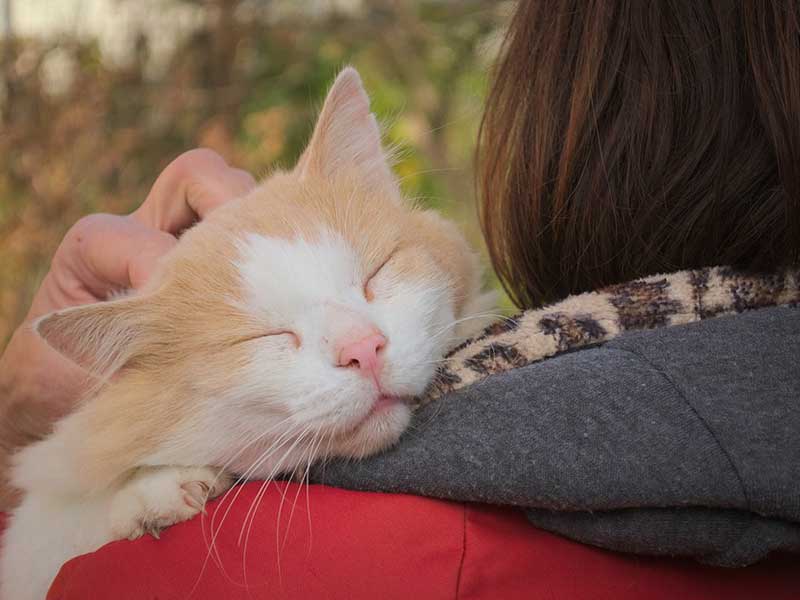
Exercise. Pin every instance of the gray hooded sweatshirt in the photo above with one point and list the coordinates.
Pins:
(679, 441)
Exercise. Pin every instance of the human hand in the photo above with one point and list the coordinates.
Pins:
(99, 255)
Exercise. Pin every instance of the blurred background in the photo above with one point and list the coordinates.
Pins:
(97, 96)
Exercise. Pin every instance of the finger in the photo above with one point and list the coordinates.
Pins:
(106, 253)
(189, 188)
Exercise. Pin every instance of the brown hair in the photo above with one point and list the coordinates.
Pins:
(624, 138)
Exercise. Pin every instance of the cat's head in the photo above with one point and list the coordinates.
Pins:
(311, 310)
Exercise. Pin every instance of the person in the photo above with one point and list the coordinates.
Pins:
(620, 140)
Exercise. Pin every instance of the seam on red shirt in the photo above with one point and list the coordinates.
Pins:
(463, 554)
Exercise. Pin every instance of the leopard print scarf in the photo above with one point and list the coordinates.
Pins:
(596, 317)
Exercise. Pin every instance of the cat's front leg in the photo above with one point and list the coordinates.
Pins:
(47, 530)
(156, 497)
(43, 533)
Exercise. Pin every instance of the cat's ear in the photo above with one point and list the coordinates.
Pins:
(347, 137)
(98, 337)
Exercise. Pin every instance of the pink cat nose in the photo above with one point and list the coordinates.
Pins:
(363, 354)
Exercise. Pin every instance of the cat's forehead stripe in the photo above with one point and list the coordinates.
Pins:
(282, 273)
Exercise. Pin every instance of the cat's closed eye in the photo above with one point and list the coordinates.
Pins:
(291, 336)
(368, 292)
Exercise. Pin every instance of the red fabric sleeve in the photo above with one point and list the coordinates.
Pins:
(322, 542)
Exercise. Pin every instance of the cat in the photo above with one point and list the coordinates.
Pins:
(292, 324)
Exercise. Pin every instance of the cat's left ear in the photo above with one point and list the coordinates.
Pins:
(347, 138)
(99, 337)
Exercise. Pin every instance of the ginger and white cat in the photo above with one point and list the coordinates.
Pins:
(291, 324)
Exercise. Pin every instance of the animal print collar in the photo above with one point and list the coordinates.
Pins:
(596, 317)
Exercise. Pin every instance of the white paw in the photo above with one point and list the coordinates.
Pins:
(157, 497)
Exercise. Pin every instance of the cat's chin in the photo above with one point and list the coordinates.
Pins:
(382, 405)
(376, 431)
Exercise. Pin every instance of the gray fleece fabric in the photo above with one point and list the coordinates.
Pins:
(680, 441)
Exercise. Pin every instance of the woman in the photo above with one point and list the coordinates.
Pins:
(621, 140)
